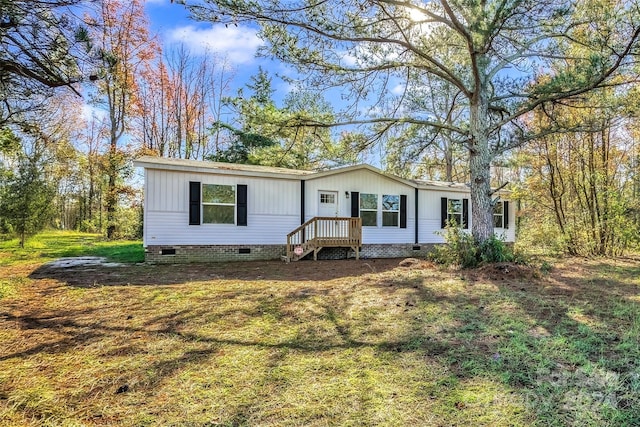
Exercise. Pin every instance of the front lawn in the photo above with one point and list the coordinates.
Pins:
(368, 342)
(57, 244)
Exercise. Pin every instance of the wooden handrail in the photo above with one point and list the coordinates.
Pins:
(319, 232)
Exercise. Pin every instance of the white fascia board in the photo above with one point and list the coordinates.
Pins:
(360, 167)
(213, 170)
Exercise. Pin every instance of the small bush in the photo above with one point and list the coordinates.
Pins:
(545, 267)
(495, 250)
(462, 250)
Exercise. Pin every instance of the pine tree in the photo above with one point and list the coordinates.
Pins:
(25, 199)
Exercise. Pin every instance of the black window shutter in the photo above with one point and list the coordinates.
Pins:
(505, 214)
(403, 211)
(194, 203)
(242, 204)
(302, 200)
(355, 204)
(415, 207)
(443, 212)
(465, 213)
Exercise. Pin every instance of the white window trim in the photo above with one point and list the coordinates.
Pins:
(376, 210)
(450, 212)
(333, 196)
(501, 215)
(234, 204)
(386, 210)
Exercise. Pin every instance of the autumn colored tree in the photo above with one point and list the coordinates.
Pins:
(579, 182)
(180, 95)
(122, 43)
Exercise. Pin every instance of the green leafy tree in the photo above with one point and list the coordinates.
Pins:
(25, 198)
(505, 57)
(288, 136)
(256, 115)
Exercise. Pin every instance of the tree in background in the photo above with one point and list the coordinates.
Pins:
(257, 120)
(429, 152)
(579, 184)
(43, 47)
(506, 58)
(122, 44)
(25, 192)
(283, 137)
(179, 96)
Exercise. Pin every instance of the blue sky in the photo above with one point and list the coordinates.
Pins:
(235, 45)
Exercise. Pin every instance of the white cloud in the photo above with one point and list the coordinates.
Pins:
(348, 60)
(398, 89)
(237, 44)
(90, 112)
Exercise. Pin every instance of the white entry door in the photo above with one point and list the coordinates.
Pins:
(328, 203)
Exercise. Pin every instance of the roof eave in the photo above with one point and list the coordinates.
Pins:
(215, 169)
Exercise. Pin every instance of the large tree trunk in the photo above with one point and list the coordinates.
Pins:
(480, 160)
(481, 205)
(112, 191)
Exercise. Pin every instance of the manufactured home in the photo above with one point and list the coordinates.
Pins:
(208, 211)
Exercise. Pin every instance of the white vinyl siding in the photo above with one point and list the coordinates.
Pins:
(273, 210)
(274, 207)
(365, 182)
(429, 210)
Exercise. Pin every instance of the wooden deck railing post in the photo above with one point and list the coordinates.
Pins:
(321, 232)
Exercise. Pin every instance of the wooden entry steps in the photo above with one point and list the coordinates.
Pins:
(324, 232)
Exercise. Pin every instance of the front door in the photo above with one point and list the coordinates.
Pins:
(328, 203)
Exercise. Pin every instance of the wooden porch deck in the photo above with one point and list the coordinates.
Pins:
(324, 232)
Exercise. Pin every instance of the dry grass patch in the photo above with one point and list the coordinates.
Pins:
(319, 343)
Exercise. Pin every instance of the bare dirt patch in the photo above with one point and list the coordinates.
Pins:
(83, 275)
(505, 271)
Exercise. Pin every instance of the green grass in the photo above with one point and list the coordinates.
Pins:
(255, 344)
(58, 244)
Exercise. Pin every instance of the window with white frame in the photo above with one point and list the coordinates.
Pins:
(498, 215)
(218, 204)
(326, 198)
(454, 211)
(390, 210)
(369, 209)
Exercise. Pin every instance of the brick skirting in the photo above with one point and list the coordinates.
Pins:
(174, 254)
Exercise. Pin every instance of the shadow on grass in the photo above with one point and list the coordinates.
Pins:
(567, 344)
(570, 342)
(176, 274)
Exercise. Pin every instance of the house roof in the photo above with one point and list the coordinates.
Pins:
(457, 186)
(346, 169)
(151, 162)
